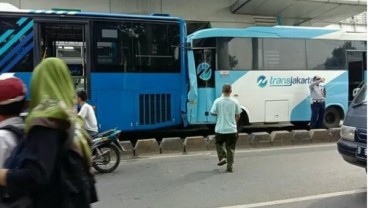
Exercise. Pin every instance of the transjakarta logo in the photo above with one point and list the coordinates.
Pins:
(282, 81)
(262, 81)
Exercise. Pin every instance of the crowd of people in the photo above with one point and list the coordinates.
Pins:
(45, 161)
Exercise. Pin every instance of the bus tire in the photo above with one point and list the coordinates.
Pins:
(243, 120)
(332, 117)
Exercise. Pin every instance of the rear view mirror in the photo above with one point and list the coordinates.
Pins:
(176, 53)
(355, 91)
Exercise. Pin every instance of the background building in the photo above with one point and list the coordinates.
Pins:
(227, 13)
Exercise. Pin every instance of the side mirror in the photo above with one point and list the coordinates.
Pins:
(176, 53)
(355, 91)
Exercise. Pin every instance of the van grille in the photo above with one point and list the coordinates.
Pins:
(154, 108)
(361, 135)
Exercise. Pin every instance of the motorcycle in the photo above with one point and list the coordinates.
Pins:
(106, 151)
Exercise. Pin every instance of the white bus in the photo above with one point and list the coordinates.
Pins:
(270, 69)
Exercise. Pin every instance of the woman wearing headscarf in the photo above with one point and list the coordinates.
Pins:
(54, 134)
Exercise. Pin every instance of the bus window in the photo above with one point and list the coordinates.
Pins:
(66, 41)
(284, 54)
(16, 53)
(136, 47)
(205, 65)
(325, 54)
(239, 53)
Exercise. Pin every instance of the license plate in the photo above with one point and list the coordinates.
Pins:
(361, 153)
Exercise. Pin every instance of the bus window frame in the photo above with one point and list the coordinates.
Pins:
(133, 21)
(86, 23)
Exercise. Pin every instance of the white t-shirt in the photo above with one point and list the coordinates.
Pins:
(226, 108)
(88, 114)
(8, 141)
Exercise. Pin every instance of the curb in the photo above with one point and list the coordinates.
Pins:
(254, 140)
(260, 139)
(319, 135)
(171, 145)
(300, 137)
(196, 143)
(146, 146)
(281, 138)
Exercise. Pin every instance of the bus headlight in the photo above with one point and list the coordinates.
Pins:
(347, 132)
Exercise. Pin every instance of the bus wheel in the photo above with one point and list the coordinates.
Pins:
(243, 120)
(332, 118)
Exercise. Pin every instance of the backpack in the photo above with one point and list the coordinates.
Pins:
(77, 183)
(16, 131)
(24, 201)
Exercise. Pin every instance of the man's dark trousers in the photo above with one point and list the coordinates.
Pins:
(318, 112)
(230, 142)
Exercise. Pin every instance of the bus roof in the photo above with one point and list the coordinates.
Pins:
(278, 32)
(94, 14)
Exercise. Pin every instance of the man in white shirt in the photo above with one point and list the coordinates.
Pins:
(318, 96)
(228, 111)
(87, 113)
(12, 100)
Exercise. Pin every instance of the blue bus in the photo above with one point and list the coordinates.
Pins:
(132, 66)
(270, 69)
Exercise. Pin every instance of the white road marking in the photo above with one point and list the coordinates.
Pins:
(237, 151)
(299, 199)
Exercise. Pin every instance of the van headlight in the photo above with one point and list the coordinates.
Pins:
(347, 132)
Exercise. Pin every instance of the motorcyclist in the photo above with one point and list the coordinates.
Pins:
(87, 113)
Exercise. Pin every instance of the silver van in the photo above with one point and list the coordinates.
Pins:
(353, 142)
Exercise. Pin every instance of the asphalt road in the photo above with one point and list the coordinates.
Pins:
(312, 176)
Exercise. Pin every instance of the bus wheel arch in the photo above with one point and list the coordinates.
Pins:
(333, 115)
(243, 120)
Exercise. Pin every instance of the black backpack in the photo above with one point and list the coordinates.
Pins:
(22, 202)
(77, 183)
(15, 130)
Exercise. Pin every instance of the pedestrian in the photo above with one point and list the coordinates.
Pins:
(87, 113)
(318, 94)
(52, 166)
(228, 112)
(12, 100)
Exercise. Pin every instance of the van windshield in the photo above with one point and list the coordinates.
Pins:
(362, 96)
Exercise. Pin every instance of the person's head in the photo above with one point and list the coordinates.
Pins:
(12, 97)
(316, 78)
(226, 89)
(52, 95)
(81, 96)
(52, 101)
(51, 81)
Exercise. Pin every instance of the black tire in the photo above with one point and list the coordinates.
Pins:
(332, 118)
(211, 128)
(243, 120)
(101, 167)
(301, 124)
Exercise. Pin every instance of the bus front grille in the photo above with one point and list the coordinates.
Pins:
(154, 108)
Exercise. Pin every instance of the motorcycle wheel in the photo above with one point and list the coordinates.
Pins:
(107, 165)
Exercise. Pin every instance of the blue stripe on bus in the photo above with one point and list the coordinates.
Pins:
(16, 49)
(6, 35)
(261, 32)
(16, 37)
(21, 21)
(18, 58)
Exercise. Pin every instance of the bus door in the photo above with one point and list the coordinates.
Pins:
(67, 41)
(356, 64)
(205, 60)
